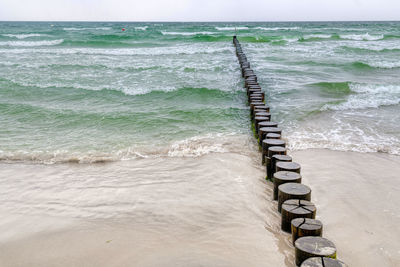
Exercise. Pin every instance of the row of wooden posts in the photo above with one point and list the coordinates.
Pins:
(293, 198)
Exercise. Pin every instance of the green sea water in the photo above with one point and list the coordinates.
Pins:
(91, 92)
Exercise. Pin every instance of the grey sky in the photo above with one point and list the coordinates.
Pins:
(199, 10)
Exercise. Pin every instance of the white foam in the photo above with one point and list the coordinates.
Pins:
(196, 146)
(384, 64)
(322, 36)
(187, 33)
(176, 50)
(362, 37)
(85, 29)
(141, 28)
(277, 28)
(368, 96)
(343, 136)
(231, 28)
(23, 36)
(32, 43)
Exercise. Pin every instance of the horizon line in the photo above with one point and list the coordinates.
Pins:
(198, 21)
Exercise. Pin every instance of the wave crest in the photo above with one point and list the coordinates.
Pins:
(231, 28)
(187, 33)
(196, 146)
(362, 37)
(32, 43)
(86, 29)
(23, 36)
(368, 96)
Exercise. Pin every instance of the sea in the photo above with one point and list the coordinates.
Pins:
(88, 92)
(147, 125)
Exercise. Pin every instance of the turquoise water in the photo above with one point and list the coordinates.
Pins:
(91, 92)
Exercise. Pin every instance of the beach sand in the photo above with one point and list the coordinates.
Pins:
(214, 210)
(357, 198)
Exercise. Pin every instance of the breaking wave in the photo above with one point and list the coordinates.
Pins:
(32, 43)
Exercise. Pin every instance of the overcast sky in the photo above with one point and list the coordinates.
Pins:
(199, 10)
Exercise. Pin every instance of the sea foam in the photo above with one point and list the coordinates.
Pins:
(23, 36)
(368, 96)
(32, 43)
(362, 37)
(187, 33)
(231, 28)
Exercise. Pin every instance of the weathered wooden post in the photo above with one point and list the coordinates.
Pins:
(266, 143)
(296, 208)
(322, 262)
(272, 163)
(283, 177)
(305, 227)
(288, 166)
(268, 124)
(313, 246)
(263, 131)
(259, 118)
(292, 191)
(272, 135)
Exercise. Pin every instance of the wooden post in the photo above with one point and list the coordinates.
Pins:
(268, 124)
(288, 166)
(266, 143)
(296, 208)
(274, 150)
(292, 191)
(322, 262)
(258, 119)
(305, 227)
(283, 177)
(257, 94)
(263, 131)
(276, 158)
(272, 135)
(313, 246)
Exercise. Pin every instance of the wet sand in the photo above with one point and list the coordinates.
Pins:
(213, 210)
(357, 198)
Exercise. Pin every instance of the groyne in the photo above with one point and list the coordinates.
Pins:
(293, 198)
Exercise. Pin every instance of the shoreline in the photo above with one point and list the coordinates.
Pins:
(356, 195)
(360, 216)
(209, 211)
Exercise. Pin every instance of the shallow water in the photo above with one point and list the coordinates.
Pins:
(208, 211)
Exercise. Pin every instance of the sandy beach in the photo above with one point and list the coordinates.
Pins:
(357, 200)
(208, 211)
(222, 215)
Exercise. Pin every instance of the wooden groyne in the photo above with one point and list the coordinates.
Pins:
(294, 199)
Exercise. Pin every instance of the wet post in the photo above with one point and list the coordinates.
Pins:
(257, 119)
(274, 150)
(296, 208)
(276, 158)
(266, 143)
(292, 191)
(322, 262)
(257, 97)
(288, 166)
(313, 246)
(305, 227)
(263, 131)
(267, 123)
(273, 136)
(257, 94)
(283, 177)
